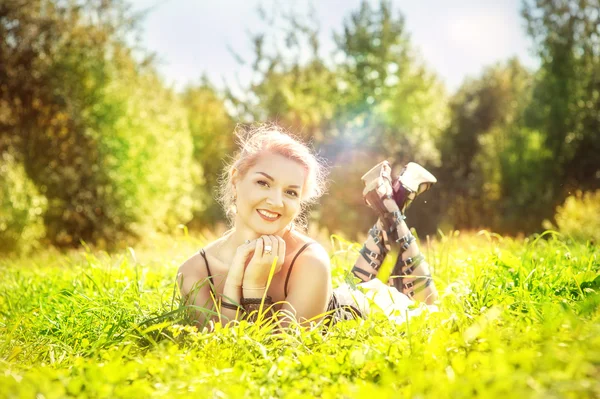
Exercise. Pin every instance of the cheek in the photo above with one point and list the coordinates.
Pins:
(294, 207)
(251, 193)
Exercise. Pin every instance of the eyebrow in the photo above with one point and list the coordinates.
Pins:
(272, 179)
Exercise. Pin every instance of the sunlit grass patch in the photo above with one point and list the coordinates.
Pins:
(518, 318)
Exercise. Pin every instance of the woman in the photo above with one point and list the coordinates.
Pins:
(264, 191)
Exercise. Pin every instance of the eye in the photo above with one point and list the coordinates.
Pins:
(263, 183)
(292, 193)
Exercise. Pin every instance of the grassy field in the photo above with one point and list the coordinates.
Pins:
(518, 318)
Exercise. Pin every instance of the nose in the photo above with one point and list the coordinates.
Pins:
(275, 200)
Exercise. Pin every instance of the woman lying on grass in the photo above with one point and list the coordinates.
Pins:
(271, 180)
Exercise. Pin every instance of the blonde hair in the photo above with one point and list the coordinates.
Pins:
(255, 140)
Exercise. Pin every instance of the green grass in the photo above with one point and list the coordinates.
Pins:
(518, 318)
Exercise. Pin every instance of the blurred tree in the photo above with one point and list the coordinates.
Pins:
(291, 84)
(565, 109)
(85, 113)
(518, 144)
(388, 106)
(480, 146)
(146, 173)
(388, 100)
(212, 128)
(21, 208)
(375, 101)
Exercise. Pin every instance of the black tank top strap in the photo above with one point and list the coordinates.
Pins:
(287, 279)
(210, 278)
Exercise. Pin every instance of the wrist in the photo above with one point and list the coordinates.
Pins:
(234, 279)
(232, 290)
(251, 283)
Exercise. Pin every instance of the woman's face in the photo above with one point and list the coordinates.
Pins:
(268, 196)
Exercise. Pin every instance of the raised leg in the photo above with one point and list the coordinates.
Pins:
(379, 191)
(372, 253)
(390, 198)
(411, 274)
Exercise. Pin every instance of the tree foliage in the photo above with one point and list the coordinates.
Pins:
(101, 150)
(211, 128)
(519, 143)
(21, 208)
(565, 108)
(96, 131)
(370, 100)
(482, 148)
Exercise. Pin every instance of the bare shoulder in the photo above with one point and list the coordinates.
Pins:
(310, 283)
(194, 268)
(193, 263)
(190, 272)
(314, 259)
(314, 250)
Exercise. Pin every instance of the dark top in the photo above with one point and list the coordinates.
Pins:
(335, 310)
(287, 278)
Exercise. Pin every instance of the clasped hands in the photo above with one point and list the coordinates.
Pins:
(253, 259)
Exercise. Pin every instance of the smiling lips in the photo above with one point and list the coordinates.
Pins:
(267, 215)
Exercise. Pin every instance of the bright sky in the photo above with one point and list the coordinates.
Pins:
(456, 39)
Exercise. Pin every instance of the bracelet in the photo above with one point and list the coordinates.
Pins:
(252, 308)
(256, 301)
(231, 306)
(255, 288)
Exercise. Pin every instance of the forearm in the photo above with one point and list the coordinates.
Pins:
(232, 295)
(223, 307)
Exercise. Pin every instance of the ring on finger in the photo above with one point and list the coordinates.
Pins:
(268, 249)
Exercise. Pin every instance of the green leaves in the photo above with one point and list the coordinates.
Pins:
(22, 208)
(516, 317)
(105, 143)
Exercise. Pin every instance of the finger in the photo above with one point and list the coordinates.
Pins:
(275, 244)
(275, 241)
(248, 246)
(245, 249)
(280, 249)
(242, 257)
(280, 253)
(258, 250)
(268, 244)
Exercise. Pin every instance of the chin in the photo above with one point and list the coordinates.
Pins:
(267, 231)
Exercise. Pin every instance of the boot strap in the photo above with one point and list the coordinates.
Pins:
(411, 263)
(408, 286)
(370, 255)
(378, 239)
(394, 218)
(391, 220)
(406, 241)
(356, 269)
(409, 270)
(373, 200)
(400, 274)
(375, 233)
